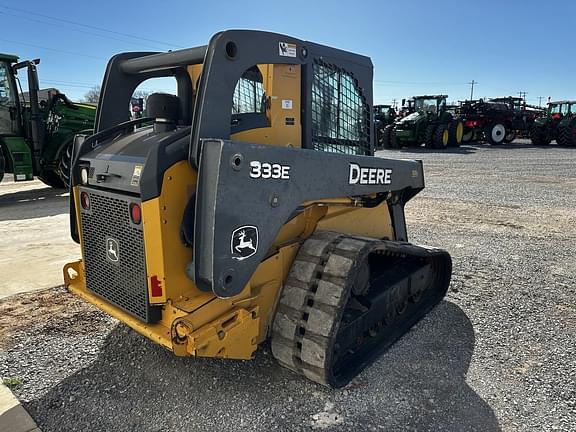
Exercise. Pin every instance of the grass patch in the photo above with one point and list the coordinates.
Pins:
(12, 382)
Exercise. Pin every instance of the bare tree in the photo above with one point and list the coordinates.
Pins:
(141, 94)
(93, 95)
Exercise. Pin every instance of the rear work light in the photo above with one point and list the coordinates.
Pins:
(136, 213)
(85, 200)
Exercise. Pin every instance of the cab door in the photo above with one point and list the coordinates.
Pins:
(9, 113)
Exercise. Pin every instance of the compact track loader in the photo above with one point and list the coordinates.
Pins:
(250, 206)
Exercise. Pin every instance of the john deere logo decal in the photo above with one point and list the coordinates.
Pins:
(112, 250)
(244, 242)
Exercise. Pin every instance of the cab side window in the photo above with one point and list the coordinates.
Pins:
(249, 102)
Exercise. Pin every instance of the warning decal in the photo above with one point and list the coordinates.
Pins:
(286, 49)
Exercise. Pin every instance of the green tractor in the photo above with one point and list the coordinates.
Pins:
(36, 136)
(558, 124)
(384, 115)
(427, 121)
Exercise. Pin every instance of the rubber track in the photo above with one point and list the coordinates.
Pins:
(312, 302)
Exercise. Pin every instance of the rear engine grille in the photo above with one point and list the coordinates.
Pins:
(120, 277)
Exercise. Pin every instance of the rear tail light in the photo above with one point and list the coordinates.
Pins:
(135, 213)
(85, 200)
(156, 286)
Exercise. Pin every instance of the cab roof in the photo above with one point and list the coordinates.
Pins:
(8, 57)
(430, 97)
(562, 102)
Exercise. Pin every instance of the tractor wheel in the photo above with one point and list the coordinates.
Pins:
(64, 164)
(455, 133)
(52, 179)
(441, 136)
(539, 136)
(567, 135)
(510, 136)
(386, 137)
(429, 136)
(2, 165)
(467, 137)
(495, 133)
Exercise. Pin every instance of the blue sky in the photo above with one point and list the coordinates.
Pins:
(416, 46)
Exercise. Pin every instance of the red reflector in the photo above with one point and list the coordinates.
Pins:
(156, 286)
(85, 200)
(135, 213)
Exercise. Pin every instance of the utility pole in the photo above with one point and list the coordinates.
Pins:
(394, 103)
(472, 88)
(540, 101)
(522, 95)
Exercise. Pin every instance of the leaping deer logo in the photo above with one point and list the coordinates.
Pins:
(112, 250)
(244, 242)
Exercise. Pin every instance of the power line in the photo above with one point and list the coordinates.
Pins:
(68, 82)
(77, 30)
(53, 49)
(64, 84)
(383, 82)
(90, 26)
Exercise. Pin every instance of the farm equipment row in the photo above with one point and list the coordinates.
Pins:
(430, 121)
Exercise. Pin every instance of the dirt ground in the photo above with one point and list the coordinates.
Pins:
(497, 354)
(35, 241)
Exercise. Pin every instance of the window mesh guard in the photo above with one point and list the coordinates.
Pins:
(249, 93)
(340, 117)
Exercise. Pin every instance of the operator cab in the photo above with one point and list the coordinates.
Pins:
(9, 124)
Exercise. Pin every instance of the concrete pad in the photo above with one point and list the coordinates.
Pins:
(13, 416)
(35, 241)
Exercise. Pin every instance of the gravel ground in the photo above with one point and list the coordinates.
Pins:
(497, 354)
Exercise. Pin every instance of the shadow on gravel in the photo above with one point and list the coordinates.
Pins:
(29, 204)
(519, 145)
(134, 385)
(449, 150)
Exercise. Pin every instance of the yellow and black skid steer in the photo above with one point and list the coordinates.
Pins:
(250, 206)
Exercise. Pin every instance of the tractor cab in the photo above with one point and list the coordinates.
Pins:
(557, 110)
(430, 104)
(558, 124)
(9, 112)
(384, 115)
(513, 103)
